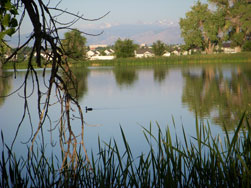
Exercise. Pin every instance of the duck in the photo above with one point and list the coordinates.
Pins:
(88, 109)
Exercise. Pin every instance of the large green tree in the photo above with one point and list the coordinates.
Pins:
(201, 27)
(124, 48)
(159, 48)
(238, 20)
(74, 44)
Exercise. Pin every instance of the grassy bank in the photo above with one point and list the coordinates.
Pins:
(204, 161)
(20, 65)
(192, 59)
(243, 57)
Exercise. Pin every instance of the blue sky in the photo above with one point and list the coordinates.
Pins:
(131, 11)
(122, 11)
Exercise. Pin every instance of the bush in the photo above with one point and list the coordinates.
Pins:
(247, 46)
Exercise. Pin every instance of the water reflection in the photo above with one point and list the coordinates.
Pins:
(125, 76)
(5, 85)
(160, 73)
(222, 95)
(81, 77)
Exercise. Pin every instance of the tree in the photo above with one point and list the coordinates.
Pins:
(201, 27)
(238, 22)
(74, 44)
(45, 39)
(124, 48)
(159, 48)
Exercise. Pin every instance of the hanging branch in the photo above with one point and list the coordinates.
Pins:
(46, 39)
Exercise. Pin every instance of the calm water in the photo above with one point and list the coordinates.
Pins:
(134, 97)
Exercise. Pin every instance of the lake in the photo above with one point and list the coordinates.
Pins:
(134, 97)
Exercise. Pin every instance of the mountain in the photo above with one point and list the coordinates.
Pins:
(140, 33)
(167, 32)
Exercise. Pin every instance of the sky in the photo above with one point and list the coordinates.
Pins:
(124, 11)
(128, 11)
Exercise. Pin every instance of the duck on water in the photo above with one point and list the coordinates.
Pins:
(88, 109)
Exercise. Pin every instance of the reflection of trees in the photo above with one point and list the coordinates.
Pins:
(160, 73)
(81, 75)
(224, 99)
(125, 75)
(5, 85)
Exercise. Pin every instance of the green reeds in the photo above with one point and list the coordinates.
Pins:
(243, 57)
(200, 161)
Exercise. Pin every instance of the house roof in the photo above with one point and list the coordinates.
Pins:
(226, 45)
(144, 50)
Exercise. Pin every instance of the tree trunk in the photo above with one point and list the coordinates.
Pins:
(210, 48)
(237, 48)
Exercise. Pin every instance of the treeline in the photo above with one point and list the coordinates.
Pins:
(207, 26)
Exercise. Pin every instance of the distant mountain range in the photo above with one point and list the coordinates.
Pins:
(167, 32)
(139, 33)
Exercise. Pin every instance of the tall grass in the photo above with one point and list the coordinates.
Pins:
(201, 161)
(242, 57)
(189, 59)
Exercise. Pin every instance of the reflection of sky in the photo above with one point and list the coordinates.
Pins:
(130, 107)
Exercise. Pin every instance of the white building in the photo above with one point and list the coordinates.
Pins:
(144, 53)
(102, 57)
(167, 54)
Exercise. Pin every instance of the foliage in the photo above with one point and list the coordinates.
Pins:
(4, 50)
(8, 21)
(204, 28)
(158, 48)
(200, 161)
(200, 28)
(124, 48)
(247, 46)
(237, 15)
(74, 44)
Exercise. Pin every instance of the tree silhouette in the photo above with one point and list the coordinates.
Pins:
(45, 40)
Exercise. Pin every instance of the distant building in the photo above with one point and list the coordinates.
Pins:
(93, 47)
(176, 52)
(185, 52)
(144, 52)
(109, 52)
(143, 45)
(227, 49)
(90, 53)
(102, 57)
(96, 55)
(167, 54)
